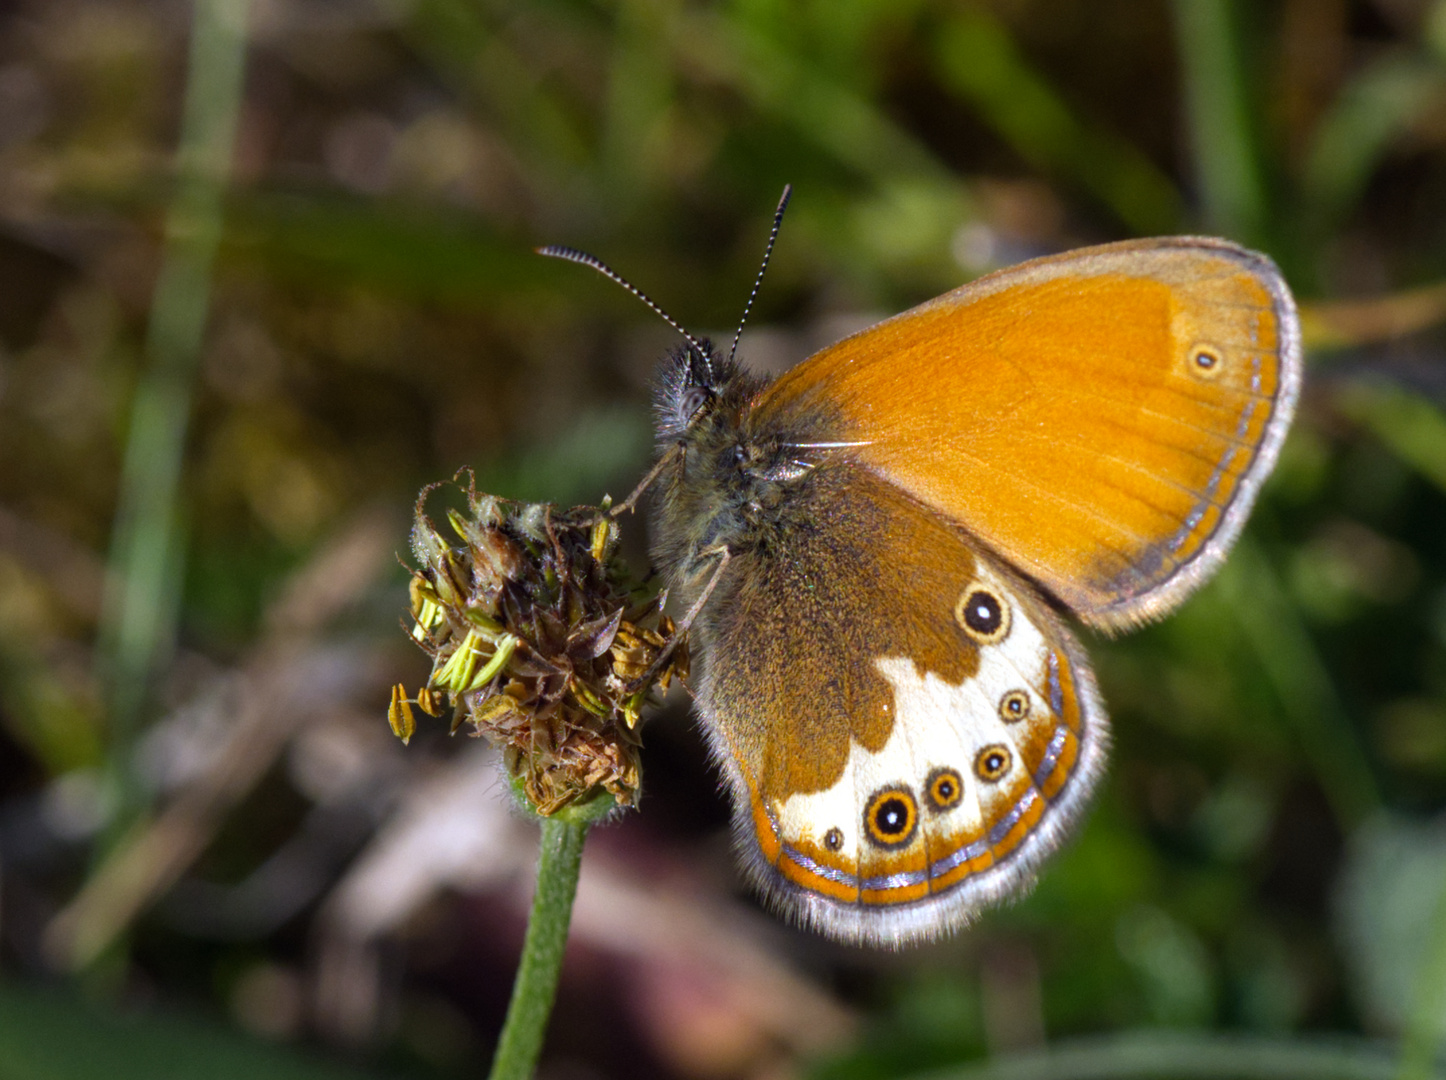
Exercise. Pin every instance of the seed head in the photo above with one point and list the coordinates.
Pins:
(538, 642)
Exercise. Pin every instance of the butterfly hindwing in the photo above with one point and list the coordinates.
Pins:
(907, 728)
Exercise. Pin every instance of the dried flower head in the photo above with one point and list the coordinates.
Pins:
(538, 643)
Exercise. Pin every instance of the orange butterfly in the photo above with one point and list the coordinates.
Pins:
(874, 547)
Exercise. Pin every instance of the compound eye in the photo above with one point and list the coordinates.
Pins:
(694, 398)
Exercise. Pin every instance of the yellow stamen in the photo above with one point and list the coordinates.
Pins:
(400, 716)
(456, 674)
(506, 646)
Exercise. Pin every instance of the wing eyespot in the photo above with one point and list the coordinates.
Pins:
(993, 762)
(1014, 707)
(944, 788)
(891, 818)
(833, 839)
(983, 614)
(1206, 362)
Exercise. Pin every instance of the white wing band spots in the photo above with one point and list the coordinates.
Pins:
(828, 873)
(967, 853)
(1051, 755)
(904, 880)
(1018, 810)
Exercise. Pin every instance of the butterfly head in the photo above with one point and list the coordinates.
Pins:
(721, 471)
(697, 387)
(699, 391)
(688, 382)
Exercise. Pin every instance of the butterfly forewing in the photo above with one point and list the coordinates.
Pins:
(1102, 418)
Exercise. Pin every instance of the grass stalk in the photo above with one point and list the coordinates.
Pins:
(1422, 1038)
(147, 543)
(535, 988)
(1217, 101)
(1303, 683)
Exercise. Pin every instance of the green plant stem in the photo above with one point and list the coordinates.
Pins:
(979, 60)
(1307, 692)
(1217, 102)
(138, 620)
(1422, 1037)
(536, 985)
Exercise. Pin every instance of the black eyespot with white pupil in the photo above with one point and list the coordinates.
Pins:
(833, 839)
(992, 762)
(983, 614)
(1014, 706)
(1206, 362)
(945, 788)
(891, 818)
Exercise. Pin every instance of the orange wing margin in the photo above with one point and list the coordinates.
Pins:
(1101, 419)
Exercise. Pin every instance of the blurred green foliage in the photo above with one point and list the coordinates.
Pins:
(47, 1034)
(376, 321)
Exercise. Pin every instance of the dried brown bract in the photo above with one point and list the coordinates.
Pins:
(537, 641)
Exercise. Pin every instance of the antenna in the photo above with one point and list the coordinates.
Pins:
(557, 251)
(772, 236)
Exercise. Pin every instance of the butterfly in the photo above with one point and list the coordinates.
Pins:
(876, 548)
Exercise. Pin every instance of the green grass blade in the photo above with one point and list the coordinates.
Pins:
(977, 58)
(1217, 102)
(138, 622)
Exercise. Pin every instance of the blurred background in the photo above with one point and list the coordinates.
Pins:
(266, 270)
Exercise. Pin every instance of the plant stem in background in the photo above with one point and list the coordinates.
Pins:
(979, 60)
(536, 985)
(1303, 683)
(147, 543)
(1422, 1037)
(1227, 166)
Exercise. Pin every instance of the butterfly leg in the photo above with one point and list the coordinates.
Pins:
(723, 556)
(631, 502)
